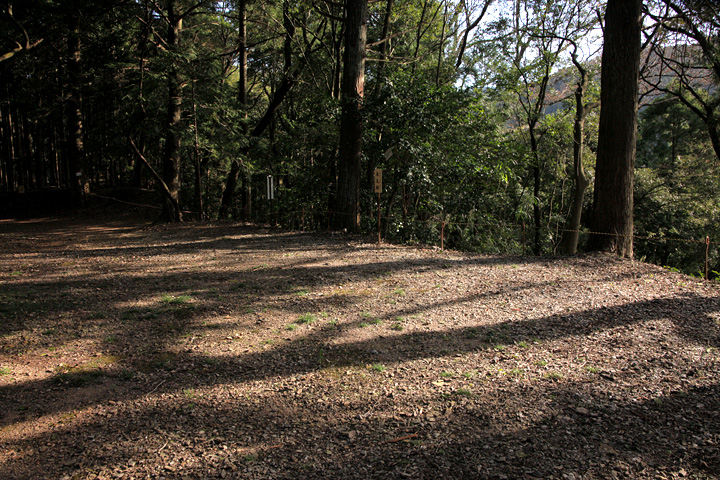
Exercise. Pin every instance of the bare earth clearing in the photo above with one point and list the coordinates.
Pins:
(225, 351)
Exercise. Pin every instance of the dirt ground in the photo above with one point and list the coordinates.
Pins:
(228, 351)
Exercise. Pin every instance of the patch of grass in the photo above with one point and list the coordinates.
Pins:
(399, 291)
(446, 374)
(176, 300)
(5, 371)
(291, 327)
(553, 375)
(397, 326)
(470, 374)
(302, 292)
(363, 325)
(463, 392)
(515, 372)
(375, 321)
(378, 367)
(306, 318)
(110, 339)
(523, 344)
(499, 347)
(591, 369)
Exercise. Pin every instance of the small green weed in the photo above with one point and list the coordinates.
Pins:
(446, 374)
(363, 325)
(397, 326)
(5, 371)
(463, 392)
(399, 291)
(378, 367)
(176, 300)
(523, 344)
(591, 369)
(291, 327)
(306, 318)
(553, 375)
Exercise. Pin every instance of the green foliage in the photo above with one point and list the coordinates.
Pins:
(677, 199)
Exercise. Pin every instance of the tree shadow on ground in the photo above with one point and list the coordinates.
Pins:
(300, 437)
(160, 400)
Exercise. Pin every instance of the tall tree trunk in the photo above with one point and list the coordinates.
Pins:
(137, 175)
(613, 201)
(347, 206)
(239, 164)
(171, 155)
(79, 182)
(441, 47)
(581, 182)
(537, 179)
(198, 171)
(243, 101)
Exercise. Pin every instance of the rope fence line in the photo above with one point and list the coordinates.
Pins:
(152, 207)
(443, 224)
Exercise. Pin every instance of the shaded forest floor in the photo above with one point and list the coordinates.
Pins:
(228, 351)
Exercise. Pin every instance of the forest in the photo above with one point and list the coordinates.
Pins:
(471, 123)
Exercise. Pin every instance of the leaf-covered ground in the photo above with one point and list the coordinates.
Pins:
(226, 351)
